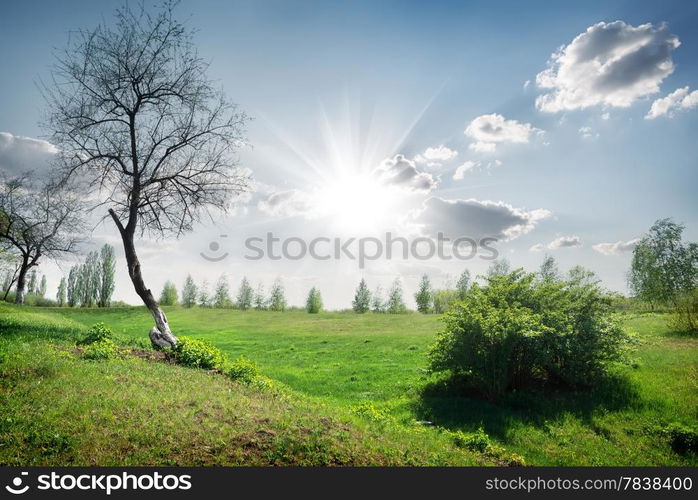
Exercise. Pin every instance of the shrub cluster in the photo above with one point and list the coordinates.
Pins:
(101, 349)
(518, 330)
(242, 370)
(98, 332)
(198, 354)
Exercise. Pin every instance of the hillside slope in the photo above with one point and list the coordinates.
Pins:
(60, 409)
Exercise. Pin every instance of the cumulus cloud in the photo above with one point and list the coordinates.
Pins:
(403, 173)
(561, 242)
(617, 248)
(475, 218)
(490, 130)
(680, 99)
(287, 203)
(434, 157)
(610, 64)
(20, 154)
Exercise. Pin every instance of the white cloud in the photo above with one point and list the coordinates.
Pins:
(287, 203)
(680, 99)
(606, 116)
(612, 64)
(403, 173)
(470, 165)
(489, 130)
(20, 154)
(561, 242)
(434, 157)
(617, 248)
(476, 219)
(588, 133)
(460, 171)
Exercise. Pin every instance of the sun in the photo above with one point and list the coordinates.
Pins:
(356, 202)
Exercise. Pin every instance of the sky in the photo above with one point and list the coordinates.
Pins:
(556, 128)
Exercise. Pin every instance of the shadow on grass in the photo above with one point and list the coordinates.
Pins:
(448, 403)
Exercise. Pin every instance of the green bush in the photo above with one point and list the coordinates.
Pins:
(517, 331)
(97, 333)
(198, 354)
(242, 370)
(101, 349)
(475, 441)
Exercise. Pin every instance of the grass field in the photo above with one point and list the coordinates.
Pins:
(334, 361)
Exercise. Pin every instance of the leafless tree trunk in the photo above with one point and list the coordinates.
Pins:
(136, 119)
(160, 335)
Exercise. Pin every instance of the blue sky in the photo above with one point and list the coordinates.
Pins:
(589, 169)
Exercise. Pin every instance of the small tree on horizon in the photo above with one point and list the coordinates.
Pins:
(377, 303)
(395, 304)
(221, 295)
(168, 297)
(204, 296)
(189, 292)
(31, 288)
(277, 297)
(245, 295)
(61, 293)
(313, 303)
(72, 297)
(424, 296)
(362, 298)
(42, 287)
(260, 302)
(107, 268)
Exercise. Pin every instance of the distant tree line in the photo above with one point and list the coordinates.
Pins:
(90, 283)
(222, 298)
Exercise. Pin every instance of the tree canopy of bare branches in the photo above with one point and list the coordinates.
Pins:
(136, 118)
(38, 220)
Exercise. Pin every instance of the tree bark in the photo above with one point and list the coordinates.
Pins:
(160, 334)
(21, 282)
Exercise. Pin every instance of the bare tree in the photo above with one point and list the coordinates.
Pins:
(39, 220)
(135, 116)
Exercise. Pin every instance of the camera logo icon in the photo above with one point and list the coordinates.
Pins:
(16, 488)
(214, 247)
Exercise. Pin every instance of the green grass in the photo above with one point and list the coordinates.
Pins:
(332, 362)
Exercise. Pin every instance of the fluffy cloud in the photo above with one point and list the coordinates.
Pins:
(617, 248)
(489, 130)
(680, 99)
(612, 64)
(286, 203)
(475, 219)
(561, 242)
(403, 173)
(20, 154)
(434, 157)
